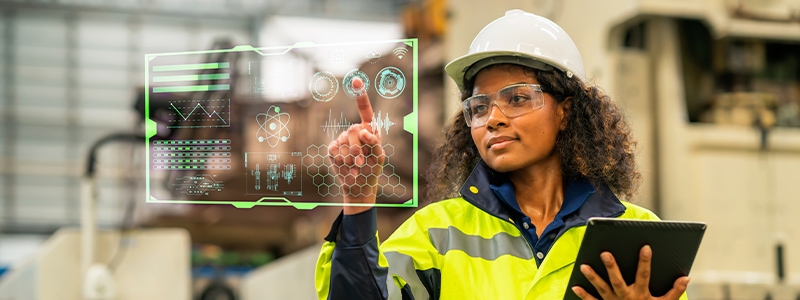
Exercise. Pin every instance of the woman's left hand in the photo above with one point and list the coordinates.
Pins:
(640, 289)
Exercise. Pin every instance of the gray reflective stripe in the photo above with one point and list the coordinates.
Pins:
(451, 238)
(402, 266)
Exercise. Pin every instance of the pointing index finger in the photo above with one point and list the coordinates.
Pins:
(362, 100)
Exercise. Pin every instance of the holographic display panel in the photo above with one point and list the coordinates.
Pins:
(218, 134)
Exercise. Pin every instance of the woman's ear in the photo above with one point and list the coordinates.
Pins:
(563, 110)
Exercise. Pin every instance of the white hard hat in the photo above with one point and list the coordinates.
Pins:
(520, 38)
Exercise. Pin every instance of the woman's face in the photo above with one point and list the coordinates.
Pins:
(510, 144)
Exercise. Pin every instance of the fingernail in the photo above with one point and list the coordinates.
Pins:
(605, 257)
(647, 251)
(360, 161)
(686, 281)
(585, 269)
(575, 289)
(357, 84)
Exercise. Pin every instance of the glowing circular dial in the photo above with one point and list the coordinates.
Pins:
(390, 82)
(347, 83)
(323, 86)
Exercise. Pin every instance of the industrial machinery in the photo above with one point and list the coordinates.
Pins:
(156, 266)
(106, 265)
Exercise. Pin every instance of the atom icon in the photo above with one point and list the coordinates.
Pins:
(272, 126)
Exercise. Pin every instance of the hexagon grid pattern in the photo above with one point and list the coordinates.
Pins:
(317, 166)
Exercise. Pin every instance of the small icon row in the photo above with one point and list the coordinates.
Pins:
(373, 56)
(389, 83)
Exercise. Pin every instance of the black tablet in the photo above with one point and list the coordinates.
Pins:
(674, 246)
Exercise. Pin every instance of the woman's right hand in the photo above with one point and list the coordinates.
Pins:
(357, 158)
(619, 289)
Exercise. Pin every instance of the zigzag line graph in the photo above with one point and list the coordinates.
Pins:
(334, 127)
(215, 118)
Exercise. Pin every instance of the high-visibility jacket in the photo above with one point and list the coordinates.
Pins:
(461, 248)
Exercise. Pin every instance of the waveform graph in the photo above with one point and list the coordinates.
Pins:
(333, 127)
(201, 113)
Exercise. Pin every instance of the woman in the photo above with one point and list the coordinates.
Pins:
(533, 155)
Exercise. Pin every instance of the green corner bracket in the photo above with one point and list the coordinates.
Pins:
(304, 206)
(275, 201)
(245, 205)
(410, 123)
(151, 128)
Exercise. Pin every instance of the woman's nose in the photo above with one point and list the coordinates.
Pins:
(496, 116)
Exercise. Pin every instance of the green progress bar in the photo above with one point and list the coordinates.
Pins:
(192, 88)
(191, 77)
(164, 142)
(205, 66)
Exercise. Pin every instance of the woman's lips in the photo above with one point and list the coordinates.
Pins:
(501, 144)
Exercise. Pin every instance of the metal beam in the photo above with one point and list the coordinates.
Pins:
(72, 195)
(363, 10)
(140, 7)
(9, 121)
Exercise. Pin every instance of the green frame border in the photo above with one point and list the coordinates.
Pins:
(410, 124)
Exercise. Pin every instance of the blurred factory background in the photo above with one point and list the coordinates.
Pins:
(711, 88)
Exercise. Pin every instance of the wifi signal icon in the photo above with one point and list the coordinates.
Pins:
(400, 52)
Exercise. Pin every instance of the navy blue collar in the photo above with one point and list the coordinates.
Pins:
(576, 191)
(601, 202)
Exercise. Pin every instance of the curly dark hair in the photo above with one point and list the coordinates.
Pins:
(596, 142)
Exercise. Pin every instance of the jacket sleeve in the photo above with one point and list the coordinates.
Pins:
(348, 267)
(353, 264)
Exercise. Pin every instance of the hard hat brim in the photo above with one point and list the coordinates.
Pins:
(458, 68)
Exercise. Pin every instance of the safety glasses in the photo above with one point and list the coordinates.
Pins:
(513, 101)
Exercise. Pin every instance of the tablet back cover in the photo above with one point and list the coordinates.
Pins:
(674, 245)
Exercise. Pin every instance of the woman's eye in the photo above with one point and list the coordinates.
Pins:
(478, 109)
(517, 99)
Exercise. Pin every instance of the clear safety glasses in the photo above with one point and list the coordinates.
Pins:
(513, 101)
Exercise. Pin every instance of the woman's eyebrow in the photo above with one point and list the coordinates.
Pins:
(521, 82)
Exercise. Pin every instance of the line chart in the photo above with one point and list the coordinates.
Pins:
(200, 113)
(195, 108)
(334, 127)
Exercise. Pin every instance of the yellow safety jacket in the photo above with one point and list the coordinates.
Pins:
(461, 248)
